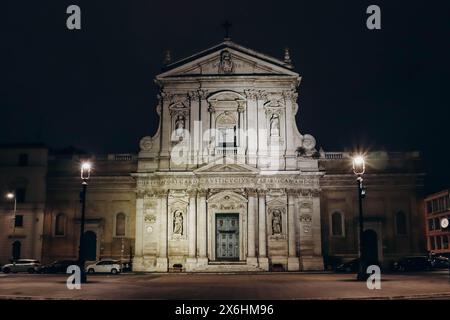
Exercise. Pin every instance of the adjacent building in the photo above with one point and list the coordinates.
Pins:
(229, 182)
(437, 207)
(23, 174)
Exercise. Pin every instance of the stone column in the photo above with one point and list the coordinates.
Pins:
(252, 126)
(166, 124)
(192, 231)
(290, 98)
(212, 127)
(204, 120)
(293, 261)
(251, 235)
(161, 260)
(262, 259)
(263, 133)
(241, 131)
(138, 246)
(193, 127)
(202, 231)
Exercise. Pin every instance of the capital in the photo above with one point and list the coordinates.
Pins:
(251, 192)
(140, 194)
(250, 94)
(193, 95)
(192, 192)
(162, 193)
(262, 192)
(202, 192)
(261, 95)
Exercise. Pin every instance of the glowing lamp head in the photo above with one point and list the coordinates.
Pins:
(10, 195)
(86, 170)
(359, 165)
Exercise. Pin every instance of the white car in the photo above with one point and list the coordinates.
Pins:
(105, 266)
(22, 265)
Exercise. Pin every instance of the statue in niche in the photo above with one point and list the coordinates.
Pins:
(276, 221)
(275, 125)
(226, 64)
(179, 126)
(178, 222)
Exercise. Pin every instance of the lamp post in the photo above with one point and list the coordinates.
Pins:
(85, 175)
(359, 168)
(10, 196)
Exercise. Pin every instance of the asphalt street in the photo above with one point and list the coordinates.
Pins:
(273, 286)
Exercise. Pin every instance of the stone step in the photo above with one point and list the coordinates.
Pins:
(228, 268)
(227, 263)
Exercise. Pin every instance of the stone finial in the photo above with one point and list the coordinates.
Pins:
(167, 57)
(227, 26)
(287, 56)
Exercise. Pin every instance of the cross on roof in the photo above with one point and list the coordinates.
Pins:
(227, 26)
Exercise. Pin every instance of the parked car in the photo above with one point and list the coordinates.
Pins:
(105, 266)
(414, 263)
(127, 267)
(58, 266)
(22, 265)
(350, 266)
(440, 262)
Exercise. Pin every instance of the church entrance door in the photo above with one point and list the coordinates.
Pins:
(227, 236)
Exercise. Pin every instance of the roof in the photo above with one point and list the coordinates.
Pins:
(231, 45)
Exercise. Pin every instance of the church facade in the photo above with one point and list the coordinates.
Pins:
(221, 180)
(229, 183)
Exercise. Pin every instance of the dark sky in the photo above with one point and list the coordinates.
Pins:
(385, 89)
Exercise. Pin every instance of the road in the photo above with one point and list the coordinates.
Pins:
(273, 286)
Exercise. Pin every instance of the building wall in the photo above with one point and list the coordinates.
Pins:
(111, 190)
(390, 189)
(31, 177)
(437, 207)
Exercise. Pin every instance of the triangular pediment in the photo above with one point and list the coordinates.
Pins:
(227, 59)
(226, 166)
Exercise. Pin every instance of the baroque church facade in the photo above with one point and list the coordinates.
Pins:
(229, 183)
(221, 179)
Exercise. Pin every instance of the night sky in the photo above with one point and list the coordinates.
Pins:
(385, 89)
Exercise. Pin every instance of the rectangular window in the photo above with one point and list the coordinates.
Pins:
(430, 224)
(20, 195)
(18, 222)
(441, 204)
(429, 208)
(227, 137)
(444, 242)
(438, 242)
(23, 160)
(437, 224)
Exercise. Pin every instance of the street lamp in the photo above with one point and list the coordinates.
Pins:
(359, 168)
(11, 196)
(85, 175)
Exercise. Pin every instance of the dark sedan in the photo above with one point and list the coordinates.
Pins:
(416, 263)
(59, 266)
(440, 262)
(350, 266)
